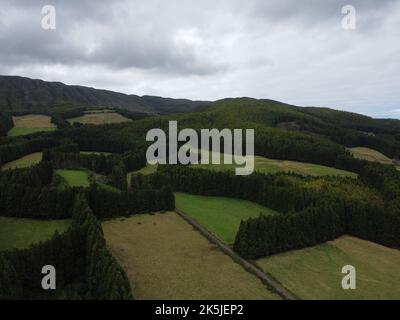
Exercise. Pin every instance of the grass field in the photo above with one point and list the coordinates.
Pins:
(24, 162)
(21, 233)
(221, 216)
(370, 155)
(74, 178)
(165, 258)
(315, 273)
(31, 123)
(99, 118)
(266, 165)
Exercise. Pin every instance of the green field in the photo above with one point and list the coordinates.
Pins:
(24, 162)
(74, 178)
(315, 273)
(21, 233)
(31, 123)
(370, 155)
(221, 216)
(165, 258)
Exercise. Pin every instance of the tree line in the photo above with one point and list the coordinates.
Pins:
(85, 269)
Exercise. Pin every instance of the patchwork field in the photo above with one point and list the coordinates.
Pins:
(74, 178)
(370, 155)
(165, 258)
(21, 233)
(99, 118)
(24, 162)
(31, 123)
(315, 273)
(221, 216)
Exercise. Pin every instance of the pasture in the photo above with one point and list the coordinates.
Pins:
(315, 273)
(24, 162)
(31, 123)
(370, 155)
(266, 165)
(221, 216)
(99, 118)
(21, 233)
(74, 178)
(165, 258)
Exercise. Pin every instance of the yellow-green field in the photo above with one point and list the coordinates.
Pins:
(21, 233)
(165, 258)
(315, 273)
(370, 155)
(31, 123)
(221, 216)
(24, 162)
(74, 178)
(266, 165)
(99, 118)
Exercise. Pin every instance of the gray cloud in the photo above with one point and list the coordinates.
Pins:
(294, 51)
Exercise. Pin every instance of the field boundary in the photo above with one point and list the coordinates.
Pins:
(248, 266)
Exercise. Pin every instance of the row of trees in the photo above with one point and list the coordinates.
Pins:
(6, 123)
(37, 176)
(12, 151)
(85, 269)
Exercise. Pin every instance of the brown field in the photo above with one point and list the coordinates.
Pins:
(165, 258)
(99, 118)
(370, 155)
(33, 121)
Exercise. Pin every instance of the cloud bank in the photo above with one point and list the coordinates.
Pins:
(293, 51)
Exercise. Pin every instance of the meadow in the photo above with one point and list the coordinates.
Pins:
(24, 162)
(74, 178)
(31, 123)
(315, 273)
(99, 118)
(370, 155)
(266, 165)
(165, 258)
(221, 216)
(21, 233)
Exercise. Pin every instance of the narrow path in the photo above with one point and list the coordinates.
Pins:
(248, 266)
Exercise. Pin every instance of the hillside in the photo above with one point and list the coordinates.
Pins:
(24, 94)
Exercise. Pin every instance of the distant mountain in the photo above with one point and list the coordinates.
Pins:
(25, 94)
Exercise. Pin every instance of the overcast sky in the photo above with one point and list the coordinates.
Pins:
(293, 51)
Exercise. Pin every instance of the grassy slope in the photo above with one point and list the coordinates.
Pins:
(221, 216)
(26, 161)
(21, 233)
(75, 178)
(315, 273)
(165, 258)
(370, 155)
(266, 165)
